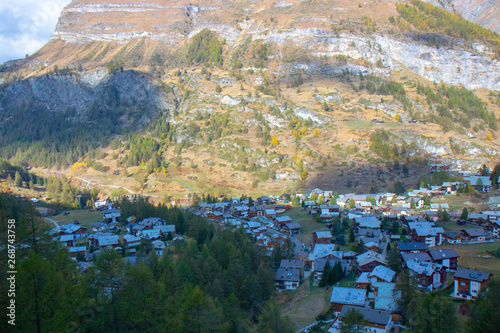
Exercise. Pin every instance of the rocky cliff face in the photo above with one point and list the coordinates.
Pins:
(298, 24)
(486, 13)
(81, 91)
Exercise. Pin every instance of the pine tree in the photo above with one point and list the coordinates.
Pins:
(18, 180)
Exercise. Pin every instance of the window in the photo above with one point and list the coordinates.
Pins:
(462, 283)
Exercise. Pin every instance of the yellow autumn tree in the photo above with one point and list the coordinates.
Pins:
(275, 141)
(490, 136)
(77, 167)
(317, 132)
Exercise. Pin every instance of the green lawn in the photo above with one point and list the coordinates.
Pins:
(304, 309)
(307, 222)
(451, 226)
(84, 216)
(474, 256)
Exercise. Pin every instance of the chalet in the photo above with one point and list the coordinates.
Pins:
(241, 210)
(280, 209)
(298, 264)
(478, 218)
(492, 215)
(369, 232)
(412, 247)
(386, 297)
(382, 274)
(264, 200)
(452, 237)
(67, 240)
(98, 226)
(480, 183)
(446, 257)
(73, 229)
(400, 211)
(442, 206)
(270, 213)
(322, 237)
(292, 228)
(112, 216)
(280, 221)
(150, 234)
(138, 229)
(342, 296)
(319, 267)
(375, 321)
(74, 251)
(159, 247)
(369, 221)
(474, 234)
(426, 232)
(330, 209)
(104, 240)
(342, 202)
(418, 257)
(494, 228)
(469, 282)
(432, 215)
(287, 278)
(165, 229)
(309, 203)
(260, 210)
(450, 187)
(323, 251)
(430, 276)
(131, 240)
(369, 260)
(214, 216)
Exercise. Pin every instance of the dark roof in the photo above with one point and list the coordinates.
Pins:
(412, 246)
(286, 263)
(451, 234)
(470, 274)
(319, 264)
(287, 274)
(443, 254)
(422, 256)
(475, 232)
(293, 225)
(371, 315)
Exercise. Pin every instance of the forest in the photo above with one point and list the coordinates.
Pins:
(214, 281)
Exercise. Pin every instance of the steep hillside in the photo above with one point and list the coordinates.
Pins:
(165, 97)
(486, 13)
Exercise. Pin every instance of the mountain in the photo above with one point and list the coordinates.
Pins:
(234, 96)
(482, 12)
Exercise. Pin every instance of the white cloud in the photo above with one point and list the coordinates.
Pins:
(26, 25)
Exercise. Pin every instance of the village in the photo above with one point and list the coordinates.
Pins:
(358, 243)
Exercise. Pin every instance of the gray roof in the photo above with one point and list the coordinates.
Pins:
(383, 273)
(323, 234)
(369, 232)
(423, 268)
(421, 256)
(283, 218)
(369, 257)
(471, 274)
(293, 225)
(372, 316)
(412, 246)
(475, 232)
(443, 254)
(451, 234)
(319, 264)
(350, 296)
(287, 274)
(286, 263)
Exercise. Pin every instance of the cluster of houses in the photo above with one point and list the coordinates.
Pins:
(374, 294)
(151, 230)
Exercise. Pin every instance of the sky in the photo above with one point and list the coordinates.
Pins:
(26, 25)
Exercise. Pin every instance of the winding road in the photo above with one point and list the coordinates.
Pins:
(56, 225)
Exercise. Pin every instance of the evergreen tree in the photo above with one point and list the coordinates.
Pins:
(465, 214)
(485, 311)
(351, 236)
(18, 180)
(352, 322)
